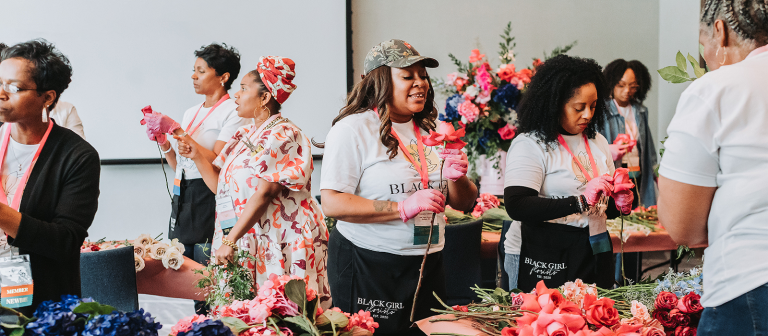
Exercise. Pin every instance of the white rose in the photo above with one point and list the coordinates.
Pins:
(138, 262)
(173, 258)
(472, 91)
(158, 250)
(175, 243)
(140, 250)
(145, 240)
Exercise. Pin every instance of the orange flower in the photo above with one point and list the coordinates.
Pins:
(476, 56)
(449, 136)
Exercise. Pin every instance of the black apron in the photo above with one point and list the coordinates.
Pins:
(383, 283)
(558, 253)
(193, 213)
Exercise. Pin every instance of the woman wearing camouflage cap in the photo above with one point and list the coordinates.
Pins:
(383, 185)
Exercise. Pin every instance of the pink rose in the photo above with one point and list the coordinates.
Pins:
(557, 324)
(506, 72)
(484, 202)
(507, 132)
(652, 331)
(601, 312)
(447, 134)
(690, 303)
(624, 139)
(469, 110)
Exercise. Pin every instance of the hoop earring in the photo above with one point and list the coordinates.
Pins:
(725, 55)
(45, 114)
(269, 113)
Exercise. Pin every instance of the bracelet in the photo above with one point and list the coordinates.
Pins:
(229, 243)
(168, 150)
(581, 203)
(183, 133)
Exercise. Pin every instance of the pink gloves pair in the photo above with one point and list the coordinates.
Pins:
(455, 165)
(617, 186)
(422, 200)
(158, 125)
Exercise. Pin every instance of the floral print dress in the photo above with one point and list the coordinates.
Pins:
(291, 237)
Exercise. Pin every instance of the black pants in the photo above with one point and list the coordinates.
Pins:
(383, 284)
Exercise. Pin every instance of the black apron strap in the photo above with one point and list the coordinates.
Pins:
(193, 212)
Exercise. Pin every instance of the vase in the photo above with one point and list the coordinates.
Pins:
(491, 174)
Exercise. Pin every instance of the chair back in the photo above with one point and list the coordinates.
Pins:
(461, 258)
(109, 277)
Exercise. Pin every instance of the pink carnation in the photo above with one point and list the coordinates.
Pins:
(469, 110)
(362, 320)
(185, 324)
(485, 202)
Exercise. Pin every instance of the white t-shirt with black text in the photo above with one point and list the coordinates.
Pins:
(356, 162)
(220, 125)
(553, 172)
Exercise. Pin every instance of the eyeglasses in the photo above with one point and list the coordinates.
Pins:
(631, 87)
(12, 88)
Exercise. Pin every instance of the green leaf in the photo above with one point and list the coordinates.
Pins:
(297, 292)
(237, 325)
(301, 322)
(681, 62)
(673, 74)
(93, 309)
(17, 332)
(312, 308)
(332, 316)
(697, 70)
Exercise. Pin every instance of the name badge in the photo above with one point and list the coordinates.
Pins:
(225, 212)
(16, 281)
(177, 187)
(422, 221)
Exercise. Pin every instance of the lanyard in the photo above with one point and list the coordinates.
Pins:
(589, 152)
(190, 132)
(25, 178)
(421, 168)
(239, 150)
(627, 126)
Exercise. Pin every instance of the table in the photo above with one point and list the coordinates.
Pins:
(637, 242)
(155, 279)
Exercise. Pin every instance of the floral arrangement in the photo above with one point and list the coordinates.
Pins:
(172, 255)
(73, 316)
(483, 100)
(488, 207)
(284, 305)
(224, 284)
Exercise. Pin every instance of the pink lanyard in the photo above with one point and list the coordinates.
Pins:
(239, 150)
(25, 178)
(627, 128)
(589, 152)
(421, 168)
(190, 132)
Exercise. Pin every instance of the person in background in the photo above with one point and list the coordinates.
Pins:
(211, 124)
(712, 179)
(383, 185)
(558, 167)
(629, 83)
(50, 175)
(263, 180)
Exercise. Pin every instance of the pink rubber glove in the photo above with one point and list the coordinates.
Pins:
(422, 200)
(157, 124)
(596, 187)
(624, 201)
(455, 165)
(160, 138)
(618, 151)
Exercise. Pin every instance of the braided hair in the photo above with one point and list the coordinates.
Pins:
(747, 18)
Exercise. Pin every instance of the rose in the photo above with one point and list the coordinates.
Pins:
(471, 92)
(516, 299)
(506, 72)
(664, 318)
(639, 311)
(601, 312)
(173, 259)
(666, 301)
(685, 331)
(175, 243)
(652, 331)
(557, 324)
(447, 135)
(157, 250)
(138, 262)
(144, 239)
(140, 250)
(627, 330)
(624, 139)
(460, 308)
(680, 318)
(690, 303)
(507, 132)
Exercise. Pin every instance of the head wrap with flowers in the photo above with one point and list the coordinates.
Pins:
(277, 73)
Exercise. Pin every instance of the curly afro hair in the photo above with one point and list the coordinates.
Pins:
(555, 82)
(615, 70)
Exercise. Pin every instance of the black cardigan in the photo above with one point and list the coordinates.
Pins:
(57, 207)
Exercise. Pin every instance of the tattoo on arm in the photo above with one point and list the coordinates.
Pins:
(380, 205)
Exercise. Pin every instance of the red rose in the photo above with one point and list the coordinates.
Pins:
(460, 308)
(666, 301)
(507, 132)
(685, 331)
(680, 318)
(690, 303)
(663, 317)
(95, 248)
(602, 313)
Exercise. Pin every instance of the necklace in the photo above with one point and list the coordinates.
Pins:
(274, 122)
(21, 163)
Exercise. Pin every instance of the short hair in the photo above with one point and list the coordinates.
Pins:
(2, 47)
(222, 59)
(555, 82)
(615, 70)
(748, 18)
(50, 68)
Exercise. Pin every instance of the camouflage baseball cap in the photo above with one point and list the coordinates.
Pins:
(396, 54)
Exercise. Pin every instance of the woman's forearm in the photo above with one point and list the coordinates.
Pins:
(170, 157)
(255, 208)
(462, 194)
(356, 209)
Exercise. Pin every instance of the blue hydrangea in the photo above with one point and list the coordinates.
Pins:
(452, 108)
(118, 324)
(507, 95)
(208, 328)
(483, 141)
(57, 318)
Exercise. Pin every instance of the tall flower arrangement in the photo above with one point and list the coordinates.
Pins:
(483, 99)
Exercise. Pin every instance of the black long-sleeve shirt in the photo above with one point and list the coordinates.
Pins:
(57, 208)
(524, 204)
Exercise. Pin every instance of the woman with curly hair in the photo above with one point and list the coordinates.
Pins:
(383, 185)
(629, 83)
(558, 167)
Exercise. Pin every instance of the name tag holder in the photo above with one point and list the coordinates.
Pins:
(225, 212)
(422, 221)
(16, 281)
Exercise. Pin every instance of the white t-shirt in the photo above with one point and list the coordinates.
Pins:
(718, 138)
(66, 116)
(356, 162)
(17, 161)
(553, 173)
(220, 125)
(632, 158)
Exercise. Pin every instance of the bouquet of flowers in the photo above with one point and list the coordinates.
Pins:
(224, 284)
(488, 207)
(284, 305)
(172, 255)
(483, 99)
